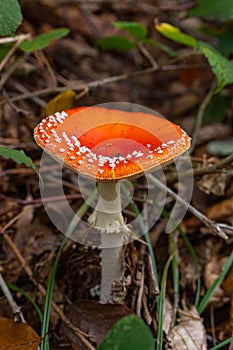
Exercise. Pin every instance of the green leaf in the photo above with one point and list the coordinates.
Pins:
(118, 43)
(41, 41)
(129, 333)
(18, 156)
(10, 17)
(137, 30)
(222, 148)
(221, 66)
(174, 33)
(222, 10)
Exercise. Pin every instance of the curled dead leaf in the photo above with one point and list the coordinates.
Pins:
(214, 183)
(64, 100)
(17, 336)
(217, 212)
(93, 318)
(211, 272)
(189, 333)
(168, 314)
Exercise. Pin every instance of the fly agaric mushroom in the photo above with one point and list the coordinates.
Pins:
(109, 145)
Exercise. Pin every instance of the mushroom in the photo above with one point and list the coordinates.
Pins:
(109, 145)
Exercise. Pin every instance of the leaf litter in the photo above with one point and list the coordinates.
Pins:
(78, 272)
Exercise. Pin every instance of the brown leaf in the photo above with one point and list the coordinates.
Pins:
(64, 100)
(168, 314)
(228, 282)
(214, 183)
(189, 334)
(93, 318)
(217, 212)
(221, 210)
(17, 336)
(5, 309)
(211, 272)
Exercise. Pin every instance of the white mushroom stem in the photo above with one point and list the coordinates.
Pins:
(111, 264)
(108, 219)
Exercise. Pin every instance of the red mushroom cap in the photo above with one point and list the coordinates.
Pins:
(109, 144)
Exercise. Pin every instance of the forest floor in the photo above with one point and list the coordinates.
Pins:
(148, 77)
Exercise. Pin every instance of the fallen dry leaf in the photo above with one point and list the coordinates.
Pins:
(64, 100)
(221, 210)
(189, 334)
(228, 282)
(5, 310)
(211, 272)
(227, 287)
(17, 336)
(214, 183)
(93, 318)
(168, 314)
(217, 212)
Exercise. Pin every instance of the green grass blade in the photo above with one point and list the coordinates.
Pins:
(175, 273)
(19, 290)
(216, 283)
(160, 301)
(144, 230)
(49, 292)
(186, 240)
(194, 256)
(223, 343)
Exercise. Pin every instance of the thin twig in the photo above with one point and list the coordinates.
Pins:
(11, 52)
(226, 228)
(42, 57)
(148, 55)
(97, 83)
(81, 335)
(14, 307)
(79, 87)
(216, 229)
(166, 68)
(22, 89)
(140, 292)
(39, 200)
(170, 179)
(217, 168)
(200, 115)
(10, 71)
(225, 161)
(90, 1)
(82, 93)
(171, 7)
(12, 39)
